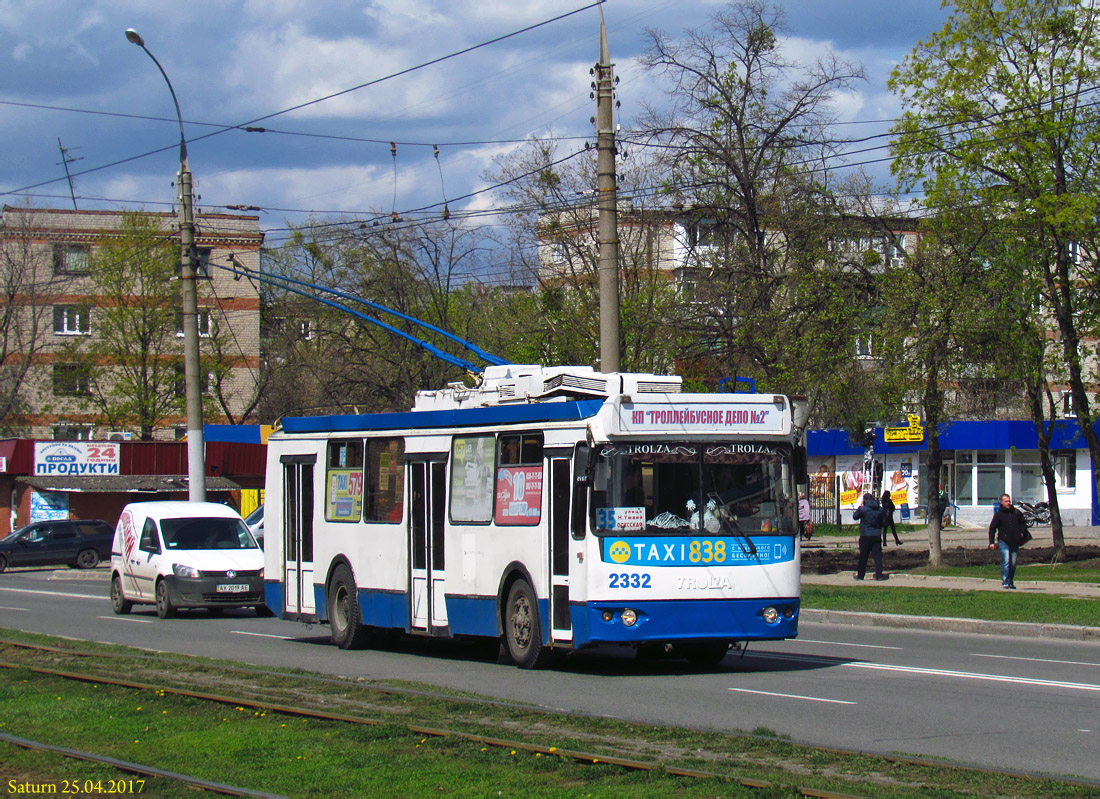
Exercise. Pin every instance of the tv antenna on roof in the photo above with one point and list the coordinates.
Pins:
(67, 159)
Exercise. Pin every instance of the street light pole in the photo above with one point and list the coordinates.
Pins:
(196, 467)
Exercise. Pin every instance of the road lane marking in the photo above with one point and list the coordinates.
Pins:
(793, 696)
(841, 643)
(55, 593)
(5, 607)
(125, 618)
(264, 635)
(970, 675)
(1038, 660)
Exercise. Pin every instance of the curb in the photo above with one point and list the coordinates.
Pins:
(1065, 632)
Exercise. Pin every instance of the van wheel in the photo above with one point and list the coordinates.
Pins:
(164, 602)
(345, 622)
(87, 559)
(3, 564)
(522, 631)
(119, 604)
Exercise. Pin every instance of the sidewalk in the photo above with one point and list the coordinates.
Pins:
(952, 538)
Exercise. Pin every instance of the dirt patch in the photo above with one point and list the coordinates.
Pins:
(832, 560)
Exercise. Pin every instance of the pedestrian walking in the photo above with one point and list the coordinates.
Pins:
(887, 503)
(871, 536)
(1008, 526)
(805, 526)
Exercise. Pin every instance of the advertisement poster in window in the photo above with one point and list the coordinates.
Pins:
(519, 495)
(345, 495)
(472, 479)
(49, 505)
(900, 479)
(850, 470)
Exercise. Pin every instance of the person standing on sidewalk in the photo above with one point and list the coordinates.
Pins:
(887, 503)
(871, 536)
(805, 529)
(1008, 526)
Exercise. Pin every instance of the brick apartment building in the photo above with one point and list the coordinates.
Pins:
(55, 307)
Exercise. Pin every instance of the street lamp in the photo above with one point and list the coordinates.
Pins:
(196, 469)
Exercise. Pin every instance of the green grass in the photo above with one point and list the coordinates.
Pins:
(1079, 572)
(832, 531)
(989, 605)
(264, 750)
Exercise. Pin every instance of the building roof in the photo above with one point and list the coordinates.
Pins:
(115, 483)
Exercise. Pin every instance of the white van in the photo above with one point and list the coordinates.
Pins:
(185, 555)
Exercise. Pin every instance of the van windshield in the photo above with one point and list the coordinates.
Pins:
(206, 533)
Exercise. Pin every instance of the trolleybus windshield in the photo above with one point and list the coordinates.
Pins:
(661, 487)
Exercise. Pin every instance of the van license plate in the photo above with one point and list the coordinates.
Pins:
(232, 589)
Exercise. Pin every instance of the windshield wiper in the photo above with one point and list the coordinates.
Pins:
(728, 520)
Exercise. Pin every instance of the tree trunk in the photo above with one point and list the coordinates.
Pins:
(933, 407)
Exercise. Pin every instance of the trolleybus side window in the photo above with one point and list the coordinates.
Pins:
(472, 466)
(344, 481)
(519, 479)
(385, 485)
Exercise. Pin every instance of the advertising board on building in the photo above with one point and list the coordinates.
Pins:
(75, 458)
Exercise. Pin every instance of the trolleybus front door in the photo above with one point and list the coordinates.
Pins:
(427, 517)
(298, 535)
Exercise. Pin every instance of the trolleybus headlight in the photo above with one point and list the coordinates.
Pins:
(629, 617)
(608, 615)
(770, 614)
(788, 611)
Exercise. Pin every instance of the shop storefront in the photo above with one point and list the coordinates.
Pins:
(980, 461)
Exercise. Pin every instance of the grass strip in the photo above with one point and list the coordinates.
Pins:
(954, 603)
(1076, 572)
(267, 751)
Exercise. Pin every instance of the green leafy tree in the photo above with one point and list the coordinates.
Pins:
(134, 357)
(783, 261)
(552, 241)
(1000, 109)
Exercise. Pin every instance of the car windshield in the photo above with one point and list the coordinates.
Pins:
(256, 516)
(206, 533)
(665, 488)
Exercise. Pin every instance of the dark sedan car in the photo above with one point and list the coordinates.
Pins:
(76, 542)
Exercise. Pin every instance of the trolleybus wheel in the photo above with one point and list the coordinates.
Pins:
(119, 604)
(522, 631)
(345, 624)
(164, 602)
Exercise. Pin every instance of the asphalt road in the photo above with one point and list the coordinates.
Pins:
(1003, 702)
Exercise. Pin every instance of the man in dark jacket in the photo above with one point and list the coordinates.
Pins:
(887, 503)
(1008, 526)
(870, 518)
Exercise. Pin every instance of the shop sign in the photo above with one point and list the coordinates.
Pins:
(911, 434)
(75, 458)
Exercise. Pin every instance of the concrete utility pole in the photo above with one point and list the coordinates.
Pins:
(608, 207)
(196, 463)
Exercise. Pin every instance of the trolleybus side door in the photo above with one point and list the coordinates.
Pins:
(297, 513)
(427, 550)
(561, 469)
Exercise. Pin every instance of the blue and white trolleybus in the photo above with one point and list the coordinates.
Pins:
(554, 508)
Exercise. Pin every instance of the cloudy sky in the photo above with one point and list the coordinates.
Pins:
(67, 72)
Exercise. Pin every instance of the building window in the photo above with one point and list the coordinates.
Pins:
(206, 380)
(71, 380)
(204, 320)
(70, 259)
(71, 320)
(864, 348)
(1067, 404)
(1065, 469)
(72, 432)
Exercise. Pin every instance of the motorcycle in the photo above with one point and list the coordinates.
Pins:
(1035, 514)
